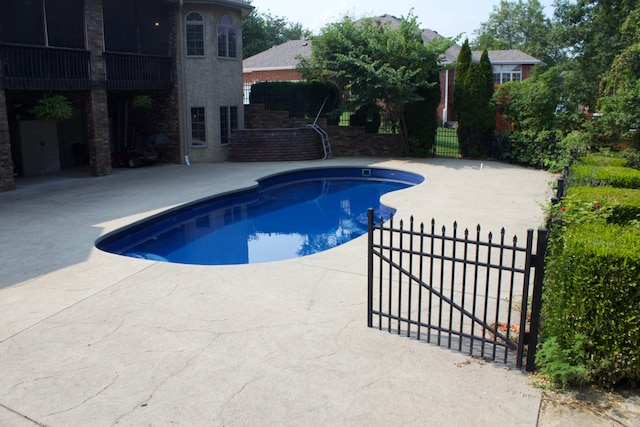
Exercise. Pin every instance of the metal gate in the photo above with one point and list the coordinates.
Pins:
(460, 292)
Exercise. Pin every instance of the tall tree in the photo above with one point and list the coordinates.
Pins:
(476, 112)
(519, 25)
(376, 64)
(589, 29)
(463, 64)
(620, 100)
(261, 31)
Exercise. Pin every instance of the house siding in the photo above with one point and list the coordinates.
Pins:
(223, 87)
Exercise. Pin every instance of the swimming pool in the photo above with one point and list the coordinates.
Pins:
(285, 216)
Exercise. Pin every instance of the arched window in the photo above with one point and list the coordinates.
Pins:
(195, 34)
(227, 39)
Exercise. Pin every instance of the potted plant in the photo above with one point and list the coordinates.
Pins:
(53, 108)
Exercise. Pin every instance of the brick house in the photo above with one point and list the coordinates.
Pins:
(279, 64)
(101, 55)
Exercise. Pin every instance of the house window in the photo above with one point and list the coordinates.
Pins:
(198, 127)
(195, 34)
(227, 39)
(228, 122)
(507, 73)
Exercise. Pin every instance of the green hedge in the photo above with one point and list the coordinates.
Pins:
(623, 203)
(301, 99)
(598, 159)
(614, 176)
(592, 290)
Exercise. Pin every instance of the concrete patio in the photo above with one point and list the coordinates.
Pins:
(89, 338)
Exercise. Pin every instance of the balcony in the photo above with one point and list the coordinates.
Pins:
(127, 71)
(44, 68)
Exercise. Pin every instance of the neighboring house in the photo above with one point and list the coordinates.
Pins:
(279, 64)
(185, 55)
(275, 64)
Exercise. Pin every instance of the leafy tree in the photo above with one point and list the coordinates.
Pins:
(261, 31)
(541, 113)
(589, 29)
(519, 25)
(376, 64)
(620, 100)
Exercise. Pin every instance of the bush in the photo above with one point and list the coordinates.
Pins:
(623, 204)
(565, 366)
(592, 289)
(614, 176)
(598, 159)
(301, 99)
(632, 157)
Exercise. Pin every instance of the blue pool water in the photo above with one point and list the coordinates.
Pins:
(286, 216)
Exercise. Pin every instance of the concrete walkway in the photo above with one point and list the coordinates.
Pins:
(94, 339)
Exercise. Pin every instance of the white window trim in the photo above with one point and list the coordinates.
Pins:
(193, 143)
(200, 23)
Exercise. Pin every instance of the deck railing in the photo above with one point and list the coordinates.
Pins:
(39, 67)
(133, 71)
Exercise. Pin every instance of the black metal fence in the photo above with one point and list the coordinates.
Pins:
(38, 67)
(133, 71)
(460, 292)
(446, 143)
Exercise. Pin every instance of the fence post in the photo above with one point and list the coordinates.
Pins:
(536, 302)
(523, 336)
(370, 268)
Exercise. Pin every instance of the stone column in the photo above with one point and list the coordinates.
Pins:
(96, 106)
(7, 182)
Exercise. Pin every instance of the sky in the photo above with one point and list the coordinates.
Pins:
(449, 17)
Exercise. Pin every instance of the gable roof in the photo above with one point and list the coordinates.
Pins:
(286, 55)
(506, 57)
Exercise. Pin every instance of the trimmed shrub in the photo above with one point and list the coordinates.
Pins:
(592, 289)
(614, 176)
(623, 203)
(301, 99)
(598, 159)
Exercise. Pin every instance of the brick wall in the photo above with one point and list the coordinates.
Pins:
(275, 135)
(7, 182)
(270, 76)
(272, 145)
(352, 141)
(96, 106)
(98, 133)
(256, 117)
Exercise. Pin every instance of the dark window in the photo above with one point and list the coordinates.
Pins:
(153, 27)
(65, 23)
(120, 33)
(227, 39)
(136, 26)
(228, 122)
(21, 21)
(198, 127)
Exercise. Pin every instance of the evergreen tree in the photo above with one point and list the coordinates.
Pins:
(462, 65)
(474, 108)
